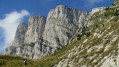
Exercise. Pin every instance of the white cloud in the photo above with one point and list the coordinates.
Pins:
(91, 3)
(9, 25)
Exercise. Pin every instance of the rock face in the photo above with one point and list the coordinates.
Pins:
(20, 34)
(62, 24)
(97, 31)
(101, 47)
(35, 30)
(46, 36)
(19, 38)
(97, 10)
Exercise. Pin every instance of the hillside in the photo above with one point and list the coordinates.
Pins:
(48, 61)
(100, 47)
(43, 36)
(95, 45)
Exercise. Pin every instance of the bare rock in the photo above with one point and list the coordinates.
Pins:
(35, 29)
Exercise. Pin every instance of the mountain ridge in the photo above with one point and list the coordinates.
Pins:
(47, 35)
(95, 43)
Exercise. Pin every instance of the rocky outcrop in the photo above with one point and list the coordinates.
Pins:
(20, 34)
(27, 42)
(97, 10)
(47, 36)
(97, 47)
(35, 30)
(19, 38)
(62, 24)
(101, 47)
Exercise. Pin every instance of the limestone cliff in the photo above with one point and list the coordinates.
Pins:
(62, 25)
(93, 38)
(35, 30)
(20, 34)
(101, 47)
(45, 36)
(19, 38)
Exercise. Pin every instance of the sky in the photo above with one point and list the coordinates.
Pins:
(13, 12)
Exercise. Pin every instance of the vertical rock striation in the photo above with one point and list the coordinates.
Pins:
(62, 24)
(20, 34)
(35, 29)
(19, 38)
(45, 36)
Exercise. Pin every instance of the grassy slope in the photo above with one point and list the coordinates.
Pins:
(49, 61)
(11, 61)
